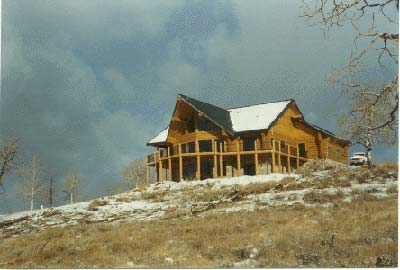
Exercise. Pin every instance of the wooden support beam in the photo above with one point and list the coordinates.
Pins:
(180, 162)
(256, 156)
(198, 160)
(279, 157)
(221, 161)
(155, 168)
(273, 156)
(288, 170)
(160, 167)
(147, 175)
(297, 158)
(239, 166)
(215, 168)
(169, 164)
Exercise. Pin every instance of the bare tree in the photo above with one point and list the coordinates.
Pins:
(71, 185)
(358, 13)
(7, 154)
(50, 194)
(372, 117)
(135, 173)
(337, 13)
(30, 186)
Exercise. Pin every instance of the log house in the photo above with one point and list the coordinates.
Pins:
(205, 141)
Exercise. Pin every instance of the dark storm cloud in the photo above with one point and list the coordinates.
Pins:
(86, 83)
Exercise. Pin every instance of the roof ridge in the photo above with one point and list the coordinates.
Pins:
(185, 96)
(261, 103)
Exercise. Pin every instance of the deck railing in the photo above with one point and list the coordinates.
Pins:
(208, 147)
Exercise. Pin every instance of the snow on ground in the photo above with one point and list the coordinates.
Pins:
(162, 200)
(222, 182)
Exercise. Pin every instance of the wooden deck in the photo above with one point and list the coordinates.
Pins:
(163, 158)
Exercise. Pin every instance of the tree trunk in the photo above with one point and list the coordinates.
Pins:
(31, 204)
(368, 146)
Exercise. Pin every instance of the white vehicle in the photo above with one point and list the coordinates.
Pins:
(358, 158)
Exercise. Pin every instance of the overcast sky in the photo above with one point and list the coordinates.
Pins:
(85, 84)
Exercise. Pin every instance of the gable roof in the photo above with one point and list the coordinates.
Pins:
(256, 117)
(160, 138)
(219, 116)
(238, 120)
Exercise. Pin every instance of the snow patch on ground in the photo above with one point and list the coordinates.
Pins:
(172, 200)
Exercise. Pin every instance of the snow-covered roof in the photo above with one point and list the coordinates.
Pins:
(256, 117)
(161, 137)
(237, 120)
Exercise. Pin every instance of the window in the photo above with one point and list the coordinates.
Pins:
(205, 146)
(206, 125)
(302, 149)
(283, 146)
(191, 148)
(190, 123)
(248, 144)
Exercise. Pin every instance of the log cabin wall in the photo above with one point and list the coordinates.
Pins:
(293, 133)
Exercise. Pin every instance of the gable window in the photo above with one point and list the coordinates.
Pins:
(206, 125)
(191, 124)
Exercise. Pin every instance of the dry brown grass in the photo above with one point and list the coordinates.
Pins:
(295, 236)
(392, 189)
(257, 188)
(96, 203)
(331, 182)
(157, 196)
(388, 166)
(123, 199)
(210, 195)
(323, 197)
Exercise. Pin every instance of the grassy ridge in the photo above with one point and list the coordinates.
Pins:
(358, 234)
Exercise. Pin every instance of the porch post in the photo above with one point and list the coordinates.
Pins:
(279, 157)
(155, 168)
(160, 167)
(169, 164)
(273, 156)
(147, 171)
(239, 171)
(256, 156)
(221, 161)
(297, 158)
(180, 162)
(288, 160)
(198, 160)
(215, 169)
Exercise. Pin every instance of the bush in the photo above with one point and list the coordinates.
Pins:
(322, 197)
(95, 203)
(392, 189)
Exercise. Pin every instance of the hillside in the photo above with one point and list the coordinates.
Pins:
(333, 217)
